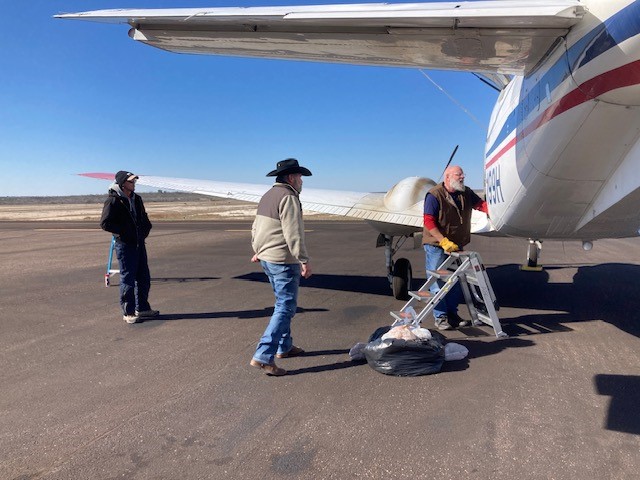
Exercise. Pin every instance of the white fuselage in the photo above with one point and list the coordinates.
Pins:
(562, 158)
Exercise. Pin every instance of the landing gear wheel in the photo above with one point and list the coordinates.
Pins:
(532, 255)
(402, 277)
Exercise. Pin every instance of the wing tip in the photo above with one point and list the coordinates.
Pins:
(98, 175)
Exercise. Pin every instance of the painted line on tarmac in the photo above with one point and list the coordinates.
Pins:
(67, 230)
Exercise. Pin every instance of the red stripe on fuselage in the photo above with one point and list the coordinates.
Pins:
(620, 77)
(503, 150)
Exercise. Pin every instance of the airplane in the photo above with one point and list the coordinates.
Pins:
(563, 141)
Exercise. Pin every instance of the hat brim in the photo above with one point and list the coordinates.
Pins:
(287, 171)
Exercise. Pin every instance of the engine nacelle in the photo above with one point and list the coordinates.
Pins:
(407, 193)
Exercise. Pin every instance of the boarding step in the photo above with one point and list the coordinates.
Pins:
(472, 280)
(484, 318)
(422, 295)
(403, 317)
(441, 274)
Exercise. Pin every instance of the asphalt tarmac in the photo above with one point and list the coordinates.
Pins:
(83, 395)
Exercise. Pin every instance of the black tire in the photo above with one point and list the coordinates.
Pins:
(402, 277)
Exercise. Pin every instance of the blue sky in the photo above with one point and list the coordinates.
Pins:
(83, 97)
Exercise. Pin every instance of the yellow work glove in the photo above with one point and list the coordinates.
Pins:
(448, 246)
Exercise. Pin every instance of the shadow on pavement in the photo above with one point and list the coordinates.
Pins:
(172, 280)
(318, 353)
(345, 283)
(182, 279)
(479, 348)
(258, 313)
(607, 292)
(624, 391)
(327, 367)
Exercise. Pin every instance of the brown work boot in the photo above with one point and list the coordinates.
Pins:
(268, 368)
(293, 352)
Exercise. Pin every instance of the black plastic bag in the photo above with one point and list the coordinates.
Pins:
(405, 358)
(380, 331)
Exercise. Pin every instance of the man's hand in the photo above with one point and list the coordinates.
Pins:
(255, 258)
(448, 246)
(305, 270)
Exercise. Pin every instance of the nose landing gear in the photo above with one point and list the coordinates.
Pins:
(399, 273)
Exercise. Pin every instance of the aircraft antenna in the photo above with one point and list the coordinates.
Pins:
(449, 162)
(483, 80)
(453, 99)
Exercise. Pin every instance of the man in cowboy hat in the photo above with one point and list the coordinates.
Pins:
(125, 217)
(277, 238)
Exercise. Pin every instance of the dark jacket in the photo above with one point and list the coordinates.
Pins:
(453, 222)
(118, 219)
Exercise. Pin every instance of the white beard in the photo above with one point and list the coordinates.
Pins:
(457, 185)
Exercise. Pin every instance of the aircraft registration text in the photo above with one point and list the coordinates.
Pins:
(493, 187)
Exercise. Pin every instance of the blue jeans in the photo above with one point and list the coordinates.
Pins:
(135, 279)
(276, 338)
(434, 258)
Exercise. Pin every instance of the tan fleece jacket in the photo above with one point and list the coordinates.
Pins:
(277, 235)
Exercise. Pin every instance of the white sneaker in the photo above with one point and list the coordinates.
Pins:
(131, 318)
(148, 313)
(442, 323)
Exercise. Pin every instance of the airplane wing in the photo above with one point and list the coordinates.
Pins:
(500, 36)
(400, 207)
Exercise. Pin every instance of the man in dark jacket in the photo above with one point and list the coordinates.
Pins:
(447, 228)
(125, 217)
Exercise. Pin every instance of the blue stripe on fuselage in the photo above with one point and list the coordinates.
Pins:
(615, 30)
(623, 25)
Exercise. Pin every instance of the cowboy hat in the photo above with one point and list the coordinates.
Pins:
(290, 165)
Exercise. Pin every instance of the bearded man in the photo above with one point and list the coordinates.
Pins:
(447, 228)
